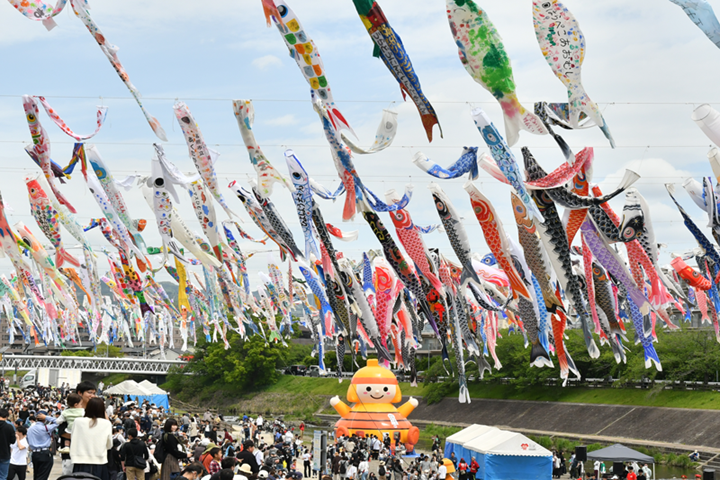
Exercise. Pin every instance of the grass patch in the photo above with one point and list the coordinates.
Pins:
(607, 396)
(311, 387)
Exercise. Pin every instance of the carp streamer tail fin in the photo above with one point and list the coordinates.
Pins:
(527, 121)
(62, 256)
(539, 356)
(651, 356)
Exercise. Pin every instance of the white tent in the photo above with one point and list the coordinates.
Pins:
(485, 442)
(129, 389)
(151, 387)
(456, 443)
(501, 455)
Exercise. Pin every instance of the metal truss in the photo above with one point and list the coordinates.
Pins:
(90, 364)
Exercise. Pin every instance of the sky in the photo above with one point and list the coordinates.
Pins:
(647, 66)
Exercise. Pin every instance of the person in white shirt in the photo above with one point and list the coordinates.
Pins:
(92, 438)
(19, 455)
(110, 410)
(442, 471)
(364, 469)
(259, 421)
(307, 468)
(351, 472)
(259, 456)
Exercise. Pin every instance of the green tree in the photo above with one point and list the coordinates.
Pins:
(248, 364)
(102, 350)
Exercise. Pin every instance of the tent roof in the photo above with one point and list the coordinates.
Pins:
(502, 442)
(620, 453)
(467, 434)
(128, 387)
(152, 388)
(488, 440)
(519, 445)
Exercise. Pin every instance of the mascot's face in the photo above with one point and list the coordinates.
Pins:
(376, 392)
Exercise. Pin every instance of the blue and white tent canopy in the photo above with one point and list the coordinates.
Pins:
(145, 390)
(501, 454)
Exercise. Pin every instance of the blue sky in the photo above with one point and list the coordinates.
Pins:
(647, 66)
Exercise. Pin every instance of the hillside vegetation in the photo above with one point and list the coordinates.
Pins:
(246, 378)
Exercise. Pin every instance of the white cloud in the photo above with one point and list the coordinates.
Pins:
(267, 61)
(284, 121)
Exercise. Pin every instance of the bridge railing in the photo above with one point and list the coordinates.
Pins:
(90, 364)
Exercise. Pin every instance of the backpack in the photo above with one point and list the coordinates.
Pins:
(160, 452)
(343, 468)
(381, 471)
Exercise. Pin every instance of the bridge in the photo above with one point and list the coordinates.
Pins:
(90, 364)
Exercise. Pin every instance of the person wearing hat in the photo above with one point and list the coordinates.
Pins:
(244, 472)
(382, 471)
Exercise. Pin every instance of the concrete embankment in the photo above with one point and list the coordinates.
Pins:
(668, 428)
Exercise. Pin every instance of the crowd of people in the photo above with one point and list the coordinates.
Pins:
(114, 439)
(348, 458)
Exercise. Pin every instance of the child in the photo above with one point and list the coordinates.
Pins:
(68, 416)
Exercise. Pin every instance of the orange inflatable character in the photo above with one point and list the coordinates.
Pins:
(372, 392)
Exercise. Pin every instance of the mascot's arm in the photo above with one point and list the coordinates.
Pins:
(343, 409)
(406, 408)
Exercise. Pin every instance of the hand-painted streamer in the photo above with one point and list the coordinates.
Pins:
(39, 10)
(702, 15)
(199, 153)
(267, 174)
(80, 8)
(389, 47)
(483, 55)
(306, 55)
(563, 45)
(41, 147)
(101, 115)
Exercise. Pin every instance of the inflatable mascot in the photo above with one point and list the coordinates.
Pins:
(372, 392)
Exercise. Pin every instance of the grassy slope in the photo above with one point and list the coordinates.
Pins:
(616, 396)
